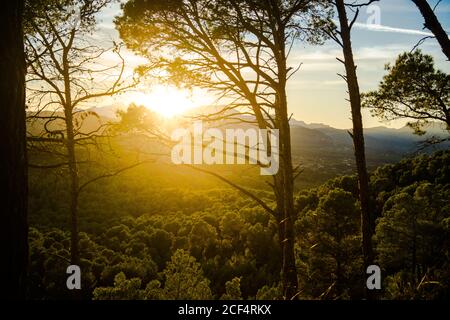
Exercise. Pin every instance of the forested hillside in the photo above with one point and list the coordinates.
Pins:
(141, 239)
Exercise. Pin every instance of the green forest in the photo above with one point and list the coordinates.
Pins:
(225, 150)
(138, 239)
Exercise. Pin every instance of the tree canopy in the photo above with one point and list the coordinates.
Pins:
(412, 89)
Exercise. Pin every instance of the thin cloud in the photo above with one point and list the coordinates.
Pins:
(381, 28)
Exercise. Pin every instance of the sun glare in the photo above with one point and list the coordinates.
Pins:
(169, 101)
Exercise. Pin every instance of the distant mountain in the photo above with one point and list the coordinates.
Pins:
(109, 112)
(322, 151)
(319, 147)
(326, 151)
(294, 122)
(318, 136)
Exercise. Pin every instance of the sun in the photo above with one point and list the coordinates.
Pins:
(169, 101)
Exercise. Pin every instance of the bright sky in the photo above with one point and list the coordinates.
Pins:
(316, 93)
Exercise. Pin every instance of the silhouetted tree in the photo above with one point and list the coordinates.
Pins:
(67, 71)
(412, 89)
(343, 37)
(238, 49)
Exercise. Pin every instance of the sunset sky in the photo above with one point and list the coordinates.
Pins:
(316, 94)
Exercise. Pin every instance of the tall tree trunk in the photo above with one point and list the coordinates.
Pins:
(71, 157)
(358, 136)
(13, 167)
(74, 186)
(284, 195)
(432, 23)
(286, 177)
(289, 267)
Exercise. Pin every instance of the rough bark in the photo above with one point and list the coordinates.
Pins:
(432, 23)
(13, 167)
(357, 135)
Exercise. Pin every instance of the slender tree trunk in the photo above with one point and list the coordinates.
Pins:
(286, 236)
(74, 185)
(13, 167)
(289, 268)
(358, 136)
(432, 23)
(284, 195)
(73, 168)
(286, 177)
